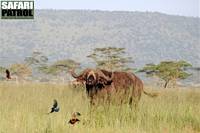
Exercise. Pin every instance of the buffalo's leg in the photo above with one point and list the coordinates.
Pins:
(130, 102)
(133, 103)
(92, 107)
(108, 99)
(134, 100)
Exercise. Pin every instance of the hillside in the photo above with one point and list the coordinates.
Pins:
(148, 37)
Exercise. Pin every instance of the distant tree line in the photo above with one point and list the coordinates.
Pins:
(110, 58)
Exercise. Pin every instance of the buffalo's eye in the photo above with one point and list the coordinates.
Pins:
(101, 81)
(90, 78)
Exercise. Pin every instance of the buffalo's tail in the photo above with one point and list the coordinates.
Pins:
(150, 94)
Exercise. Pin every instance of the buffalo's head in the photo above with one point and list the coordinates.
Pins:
(92, 77)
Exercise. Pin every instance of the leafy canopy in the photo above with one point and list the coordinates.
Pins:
(36, 59)
(168, 70)
(21, 70)
(59, 66)
(111, 58)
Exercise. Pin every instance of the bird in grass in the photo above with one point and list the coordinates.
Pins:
(73, 121)
(74, 118)
(8, 74)
(55, 107)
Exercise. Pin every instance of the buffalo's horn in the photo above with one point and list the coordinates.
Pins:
(73, 73)
(78, 76)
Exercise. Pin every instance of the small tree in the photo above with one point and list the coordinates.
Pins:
(59, 67)
(66, 64)
(168, 70)
(21, 70)
(111, 58)
(37, 59)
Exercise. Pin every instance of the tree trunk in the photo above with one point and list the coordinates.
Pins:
(166, 83)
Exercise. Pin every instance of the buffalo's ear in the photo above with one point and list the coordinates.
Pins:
(108, 82)
(107, 76)
(107, 73)
(104, 77)
(103, 81)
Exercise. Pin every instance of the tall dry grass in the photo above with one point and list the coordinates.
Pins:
(24, 108)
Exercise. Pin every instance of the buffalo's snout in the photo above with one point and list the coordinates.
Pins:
(90, 80)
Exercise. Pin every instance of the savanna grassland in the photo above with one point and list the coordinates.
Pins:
(24, 108)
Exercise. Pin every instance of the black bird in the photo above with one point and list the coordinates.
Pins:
(55, 107)
(8, 74)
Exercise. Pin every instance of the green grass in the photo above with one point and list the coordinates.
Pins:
(24, 108)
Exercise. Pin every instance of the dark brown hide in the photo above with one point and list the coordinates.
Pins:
(127, 85)
(102, 82)
(95, 82)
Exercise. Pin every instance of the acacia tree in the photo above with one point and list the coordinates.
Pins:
(168, 70)
(20, 70)
(59, 68)
(111, 58)
(37, 59)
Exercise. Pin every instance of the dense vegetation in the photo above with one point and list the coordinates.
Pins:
(24, 109)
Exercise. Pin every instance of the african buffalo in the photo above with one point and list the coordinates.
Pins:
(106, 83)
